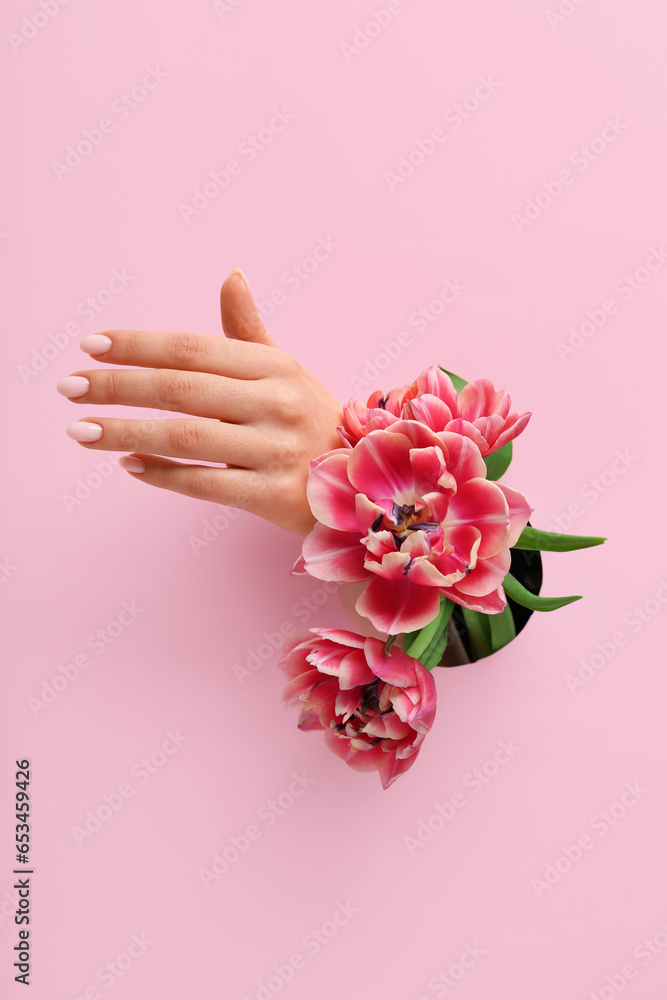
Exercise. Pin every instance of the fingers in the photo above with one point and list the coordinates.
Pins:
(203, 440)
(240, 319)
(198, 393)
(233, 487)
(187, 351)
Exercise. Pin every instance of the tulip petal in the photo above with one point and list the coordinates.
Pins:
(354, 671)
(396, 668)
(417, 433)
(330, 493)
(462, 457)
(298, 686)
(334, 555)
(347, 701)
(309, 720)
(387, 727)
(468, 430)
(430, 410)
(380, 467)
(428, 466)
(482, 504)
(489, 604)
(435, 382)
(341, 636)
(513, 427)
(519, 512)
(461, 548)
(479, 399)
(369, 514)
(396, 606)
(391, 566)
(394, 768)
(361, 760)
(487, 575)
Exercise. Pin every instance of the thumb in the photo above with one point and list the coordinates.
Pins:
(240, 318)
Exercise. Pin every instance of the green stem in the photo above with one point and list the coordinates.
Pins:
(502, 628)
(479, 632)
(433, 653)
(424, 637)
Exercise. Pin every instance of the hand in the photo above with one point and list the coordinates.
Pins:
(270, 415)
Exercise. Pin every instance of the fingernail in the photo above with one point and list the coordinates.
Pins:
(73, 386)
(237, 270)
(96, 343)
(132, 464)
(84, 430)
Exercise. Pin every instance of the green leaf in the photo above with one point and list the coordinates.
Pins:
(457, 381)
(431, 633)
(424, 637)
(497, 463)
(433, 653)
(479, 632)
(409, 638)
(502, 628)
(391, 639)
(554, 541)
(518, 593)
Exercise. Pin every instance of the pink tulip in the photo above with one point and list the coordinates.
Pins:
(479, 412)
(375, 707)
(410, 512)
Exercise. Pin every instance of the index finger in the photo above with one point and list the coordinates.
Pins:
(187, 351)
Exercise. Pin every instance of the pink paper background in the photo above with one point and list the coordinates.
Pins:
(596, 441)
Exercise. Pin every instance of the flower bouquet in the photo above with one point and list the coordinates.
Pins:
(412, 510)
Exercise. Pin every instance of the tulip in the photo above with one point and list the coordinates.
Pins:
(375, 707)
(409, 511)
(479, 412)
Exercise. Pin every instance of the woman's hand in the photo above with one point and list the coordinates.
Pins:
(271, 415)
